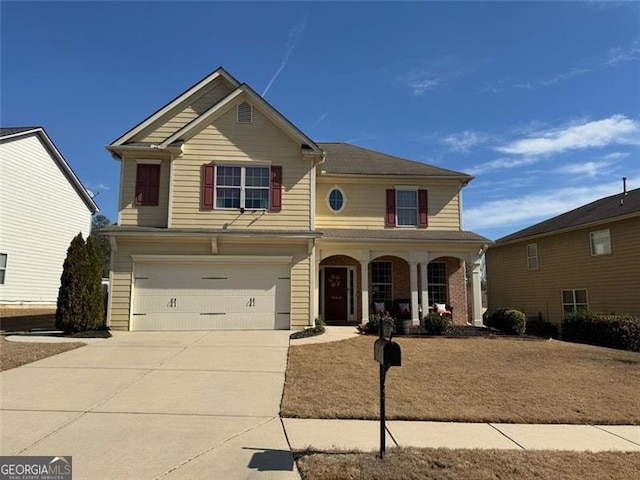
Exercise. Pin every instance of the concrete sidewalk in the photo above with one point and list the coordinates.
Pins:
(365, 435)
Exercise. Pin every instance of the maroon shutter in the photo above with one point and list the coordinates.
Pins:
(390, 218)
(423, 217)
(153, 186)
(208, 178)
(141, 184)
(275, 204)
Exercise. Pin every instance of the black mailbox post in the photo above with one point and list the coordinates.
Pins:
(388, 354)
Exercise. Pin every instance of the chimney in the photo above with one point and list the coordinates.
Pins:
(624, 186)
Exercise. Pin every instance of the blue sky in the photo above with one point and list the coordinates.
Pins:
(540, 101)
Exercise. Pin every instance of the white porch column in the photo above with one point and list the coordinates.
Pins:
(315, 287)
(476, 307)
(364, 281)
(425, 288)
(413, 279)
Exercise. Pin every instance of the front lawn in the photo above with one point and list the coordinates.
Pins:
(444, 464)
(14, 354)
(466, 380)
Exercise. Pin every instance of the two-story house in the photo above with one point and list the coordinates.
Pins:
(38, 191)
(230, 217)
(588, 258)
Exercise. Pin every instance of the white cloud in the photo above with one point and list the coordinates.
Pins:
(586, 169)
(620, 55)
(464, 141)
(616, 129)
(502, 163)
(420, 84)
(531, 208)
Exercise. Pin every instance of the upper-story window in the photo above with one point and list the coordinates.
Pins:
(336, 200)
(242, 187)
(407, 207)
(600, 242)
(147, 184)
(532, 256)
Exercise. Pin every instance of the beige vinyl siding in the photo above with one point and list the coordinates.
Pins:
(142, 216)
(122, 265)
(227, 142)
(565, 263)
(366, 207)
(168, 126)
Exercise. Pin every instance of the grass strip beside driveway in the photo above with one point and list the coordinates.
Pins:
(466, 380)
(14, 354)
(441, 464)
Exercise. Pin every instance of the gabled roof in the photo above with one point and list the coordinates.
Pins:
(183, 97)
(11, 133)
(346, 159)
(208, 116)
(606, 209)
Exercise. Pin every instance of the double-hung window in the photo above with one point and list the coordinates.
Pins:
(3, 267)
(407, 208)
(242, 187)
(600, 242)
(532, 256)
(437, 282)
(381, 282)
(574, 300)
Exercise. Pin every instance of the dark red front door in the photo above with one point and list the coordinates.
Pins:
(335, 294)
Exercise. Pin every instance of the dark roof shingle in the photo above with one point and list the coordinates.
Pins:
(346, 159)
(600, 210)
(5, 131)
(403, 234)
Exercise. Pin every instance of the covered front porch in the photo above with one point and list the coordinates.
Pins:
(405, 279)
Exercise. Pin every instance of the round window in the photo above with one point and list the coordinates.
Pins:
(336, 200)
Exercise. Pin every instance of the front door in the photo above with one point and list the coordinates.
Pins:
(335, 294)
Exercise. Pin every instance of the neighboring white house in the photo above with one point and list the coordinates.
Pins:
(43, 206)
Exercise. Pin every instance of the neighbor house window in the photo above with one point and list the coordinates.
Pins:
(600, 242)
(335, 199)
(532, 256)
(242, 187)
(437, 282)
(407, 208)
(381, 282)
(3, 267)
(147, 184)
(573, 300)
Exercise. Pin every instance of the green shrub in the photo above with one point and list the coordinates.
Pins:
(605, 330)
(436, 324)
(320, 325)
(509, 320)
(80, 306)
(542, 328)
(388, 323)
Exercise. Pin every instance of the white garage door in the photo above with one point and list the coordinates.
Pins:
(211, 297)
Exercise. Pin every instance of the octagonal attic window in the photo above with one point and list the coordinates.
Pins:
(336, 199)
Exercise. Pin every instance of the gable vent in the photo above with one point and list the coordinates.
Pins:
(245, 113)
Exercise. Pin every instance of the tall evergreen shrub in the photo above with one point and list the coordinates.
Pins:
(80, 306)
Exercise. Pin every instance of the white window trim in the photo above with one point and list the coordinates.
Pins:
(149, 161)
(532, 257)
(390, 283)
(575, 304)
(445, 284)
(242, 188)
(4, 269)
(408, 189)
(591, 234)
(344, 199)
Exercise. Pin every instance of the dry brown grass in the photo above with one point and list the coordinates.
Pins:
(14, 354)
(444, 464)
(466, 380)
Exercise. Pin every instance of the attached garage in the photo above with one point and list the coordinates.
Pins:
(211, 295)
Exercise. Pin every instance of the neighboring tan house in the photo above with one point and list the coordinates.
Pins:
(231, 218)
(586, 258)
(43, 206)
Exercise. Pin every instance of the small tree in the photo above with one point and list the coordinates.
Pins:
(102, 241)
(79, 307)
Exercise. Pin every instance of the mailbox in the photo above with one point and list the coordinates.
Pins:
(387, 353)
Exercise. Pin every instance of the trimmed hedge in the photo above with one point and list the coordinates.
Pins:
(604, 330)
(542, 328)
(436, 324)
(509, 320)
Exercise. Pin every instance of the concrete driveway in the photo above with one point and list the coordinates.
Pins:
(155, 405)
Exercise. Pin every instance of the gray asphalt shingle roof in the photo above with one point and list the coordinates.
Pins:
(402, 234)
(5, 131)
(607, 208)
(343, 158)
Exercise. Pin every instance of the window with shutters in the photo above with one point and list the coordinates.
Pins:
(242, 187)
(407, 208)
(244, 113)
(147, 185)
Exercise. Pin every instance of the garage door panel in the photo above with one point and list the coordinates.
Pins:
(196, 297)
